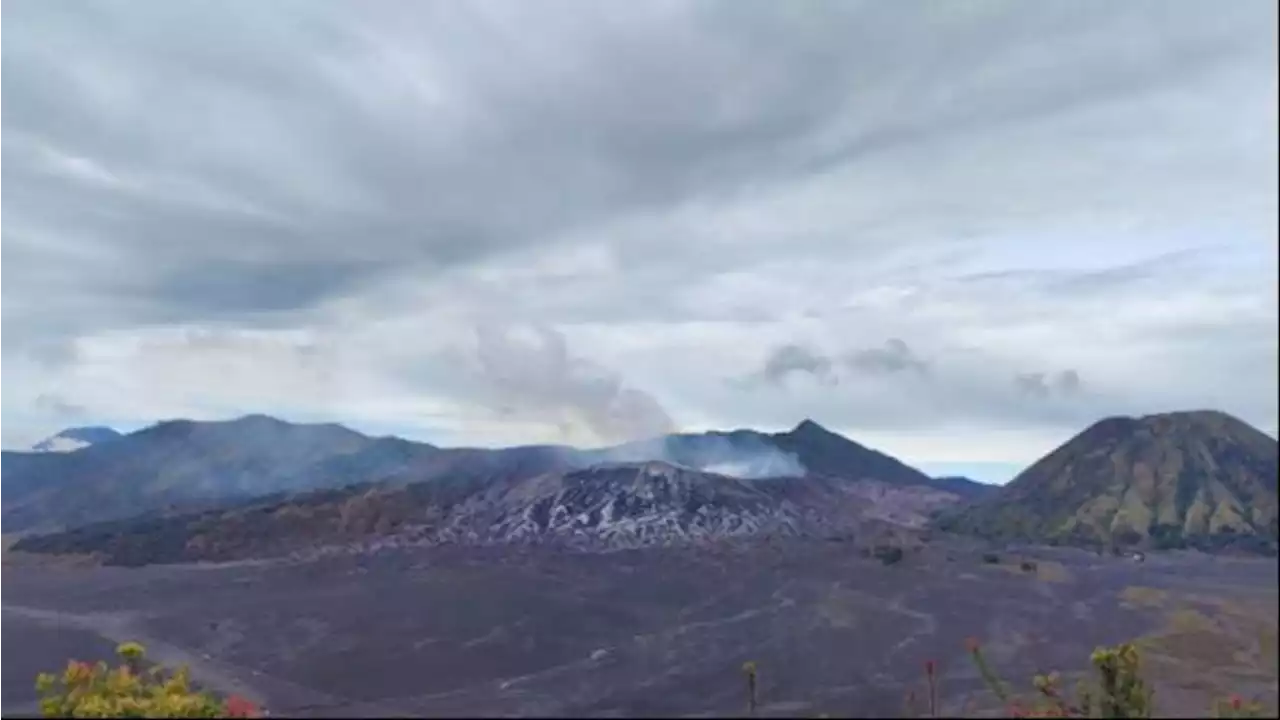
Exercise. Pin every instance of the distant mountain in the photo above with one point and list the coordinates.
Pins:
(606, 506)
(1200, 479)
(75, 438)
(261, 486)
(806, 449)
(967, 488)
(181, 465)
(826, 453)
(171, 466)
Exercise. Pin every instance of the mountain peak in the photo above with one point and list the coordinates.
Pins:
(823, 452)
(1201, 423)
(258, 419)
(76, 438)
(809, 427)
(1214, 420)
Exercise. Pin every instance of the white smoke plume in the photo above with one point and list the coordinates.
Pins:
(760, 465)
(742, 455)
(529, 372)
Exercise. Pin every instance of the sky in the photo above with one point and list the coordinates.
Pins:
(956, 232)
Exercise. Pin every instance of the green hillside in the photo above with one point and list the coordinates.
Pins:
(1187, 479)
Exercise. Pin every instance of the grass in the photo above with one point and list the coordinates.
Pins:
(1210, 645)
(1136, 596)
(19, 558)
(1194, 639)
(1206, 647)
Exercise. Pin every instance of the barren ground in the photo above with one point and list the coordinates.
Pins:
(507, 631)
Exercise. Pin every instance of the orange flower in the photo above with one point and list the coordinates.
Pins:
(237, 706)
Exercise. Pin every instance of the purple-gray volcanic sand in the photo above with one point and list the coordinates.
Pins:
(535, 631)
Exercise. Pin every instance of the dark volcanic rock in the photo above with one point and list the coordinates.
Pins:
(602, 507)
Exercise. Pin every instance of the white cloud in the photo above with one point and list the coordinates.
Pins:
(301, 210)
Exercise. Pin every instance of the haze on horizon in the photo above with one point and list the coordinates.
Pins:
(958, 233)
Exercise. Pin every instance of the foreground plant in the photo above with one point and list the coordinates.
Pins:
(749, 670)
(129, 690)
(1237, 707)
(1117, 690)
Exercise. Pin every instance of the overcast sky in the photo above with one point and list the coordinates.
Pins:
(958, 232)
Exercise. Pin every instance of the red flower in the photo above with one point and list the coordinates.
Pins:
(972, 645)
(237, 706)
(1236, 702)
(78, 670)
(928, 667)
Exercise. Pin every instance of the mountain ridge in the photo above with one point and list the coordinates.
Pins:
(704, 486)
(604, 507)
(172, 463)
(175, 465)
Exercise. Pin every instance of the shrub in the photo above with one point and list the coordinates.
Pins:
(991, 559)
(1128, 537)
(128, 690)
(1028, 566)
(1166, 536)
(888, 554)
(1117, 690)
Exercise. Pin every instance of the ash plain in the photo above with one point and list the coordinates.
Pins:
(541, 631)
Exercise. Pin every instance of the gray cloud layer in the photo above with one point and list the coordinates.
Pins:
(793, 358)
(894, 357)
(310, 209)
(1037, 384)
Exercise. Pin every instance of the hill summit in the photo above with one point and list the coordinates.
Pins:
(1185, 479)
(75, 438)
